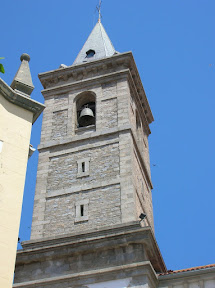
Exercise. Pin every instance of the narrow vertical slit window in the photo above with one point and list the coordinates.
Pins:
(82, 210)
(83, 166)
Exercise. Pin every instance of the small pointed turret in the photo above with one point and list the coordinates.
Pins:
(97, 46)
(22, 82)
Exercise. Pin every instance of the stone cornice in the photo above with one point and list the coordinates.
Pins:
(20, 100)
(87, 66)
(117, 235)
(125, 271)
(63, 88)
(66, 239)
(77, 138)
(84, 187)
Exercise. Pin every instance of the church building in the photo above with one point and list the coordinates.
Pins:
(93, 215)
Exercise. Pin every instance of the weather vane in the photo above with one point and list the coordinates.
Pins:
(99, 10)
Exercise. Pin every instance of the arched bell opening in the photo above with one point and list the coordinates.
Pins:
(86, 109)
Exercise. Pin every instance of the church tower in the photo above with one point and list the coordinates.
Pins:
(93, 179)
(93, 169)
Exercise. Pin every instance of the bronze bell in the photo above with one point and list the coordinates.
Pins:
(86, 117)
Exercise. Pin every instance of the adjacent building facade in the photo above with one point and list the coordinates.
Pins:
(93, 217)
(17, 113)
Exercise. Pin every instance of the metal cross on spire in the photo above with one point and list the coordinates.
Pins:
(99, 10)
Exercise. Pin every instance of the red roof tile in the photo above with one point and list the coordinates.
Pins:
(188, 269)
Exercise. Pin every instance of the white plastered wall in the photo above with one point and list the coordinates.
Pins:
(15, 131)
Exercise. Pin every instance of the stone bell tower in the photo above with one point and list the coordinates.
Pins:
(93, 178)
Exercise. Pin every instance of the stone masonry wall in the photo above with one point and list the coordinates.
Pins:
(139, 206)
(109, 89)
(103, 210)
(63, 174)
(58, 173)
(109, 163)
(59, 126)
(55, 117)
(75, 262)
(46, 132)
(103, 165)
(109, 113)
(146, 152)
(143, 191)
(140, 133)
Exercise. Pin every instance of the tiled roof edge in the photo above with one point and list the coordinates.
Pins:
(188, 269)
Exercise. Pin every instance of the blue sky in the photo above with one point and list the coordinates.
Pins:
(173, 44)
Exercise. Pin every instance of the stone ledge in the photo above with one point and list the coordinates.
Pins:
(83, 130)
(44, 76)
(90, 233)
(93, 276)
(85, 187)
(96, 79)
(120, 235)
(78, 138)
(108, 98)
(20, 100)
(74, 149)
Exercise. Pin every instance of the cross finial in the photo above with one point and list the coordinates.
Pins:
(99, 10)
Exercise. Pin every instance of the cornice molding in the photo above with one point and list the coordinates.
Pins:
(77, 138)
(117, 235)
(88, 66)
(97, 79)
(21, 100)
(141, 268)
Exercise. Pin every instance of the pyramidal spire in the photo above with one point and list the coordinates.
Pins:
(22, 81)
(97, 46)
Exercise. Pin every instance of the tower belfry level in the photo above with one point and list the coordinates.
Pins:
(93, 178)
